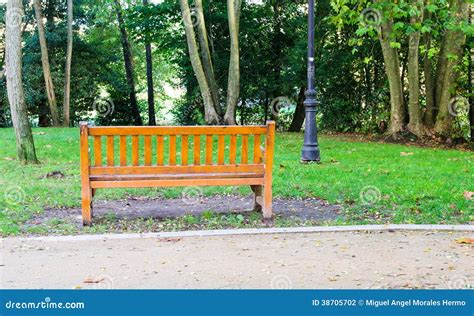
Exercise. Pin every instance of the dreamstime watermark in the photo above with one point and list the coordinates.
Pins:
(14, 17)
(47, 303)
(280, 103)
(14, 195)
(103, 106)
(192, 195)
(104, 282)
(192, 19)
(370, 195)
(459, 282)
(458, 106)
(371, 17)
(281, 282)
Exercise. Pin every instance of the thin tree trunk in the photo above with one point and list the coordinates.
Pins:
(470, 52)
(16, 98)
(206, 56)
(233, 83)
(46, 68)
(452, 48)
(392, 69)
(415, 124)
(298, 117)
(67, 72)
(127, 56)
(429, 117)
(149, 80)
(210, 114)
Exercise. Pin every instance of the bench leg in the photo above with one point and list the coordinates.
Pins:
(267, 202)
(258, 197)
(86, 206)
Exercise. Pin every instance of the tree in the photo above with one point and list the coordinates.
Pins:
(16, 98)
(149, 77)
(450, 57)
(67, 72)
(415, 124)
(128, 60)
(46, 67)
(202, 64)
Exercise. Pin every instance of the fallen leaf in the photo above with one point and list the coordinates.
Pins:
(169, 239)
(93, 280)
(406, 154)
(468, 195)
(39, 133)
(465, 240)
(9, 158)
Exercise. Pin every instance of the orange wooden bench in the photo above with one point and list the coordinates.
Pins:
(164, 165)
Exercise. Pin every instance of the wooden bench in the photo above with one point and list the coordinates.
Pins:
(159, 162)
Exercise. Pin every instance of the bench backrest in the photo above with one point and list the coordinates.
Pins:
(176, 149)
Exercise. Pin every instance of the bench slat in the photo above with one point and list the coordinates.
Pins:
(220, 150)
(233, 149)
(135, 153)
(147, 150)
(197, 150)
(97, 151)
(172, 150)
(176, 130)
(178, 169)
(131, 177)
(208, 149)
(245, 149)
(110, 151)
(177, 183)
(184, 150)
(257, 153)
(123, 150)
(160, 150)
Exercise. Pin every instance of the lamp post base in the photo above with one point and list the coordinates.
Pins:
(310, 153)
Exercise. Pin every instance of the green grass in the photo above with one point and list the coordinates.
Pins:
(425, 186)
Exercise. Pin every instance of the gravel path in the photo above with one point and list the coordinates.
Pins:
(402, 259)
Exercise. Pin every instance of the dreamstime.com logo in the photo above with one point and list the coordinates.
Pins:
(192, 195)
(371, 17)
(103, 106)
(192, 18)
(45, 304)
(281, 282)
(14, 195)
(280, 103)
(458, 106)
(370, 195)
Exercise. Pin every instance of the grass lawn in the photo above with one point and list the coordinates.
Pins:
(374, 182)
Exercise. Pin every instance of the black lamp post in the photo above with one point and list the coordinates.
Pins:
(310, 150)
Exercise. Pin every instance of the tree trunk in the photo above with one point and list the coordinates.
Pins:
(127, 56)
(450, 57)
(233, 82)
(16, 98)
(206, 56)
(415, 124)
(298, 117)
(392, 68)
(470, 51)
(149, 81)
(210, 114)
(429, 117)
(45, 62)
(67, 72)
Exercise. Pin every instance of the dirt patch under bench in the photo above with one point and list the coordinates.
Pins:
(310, 209)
